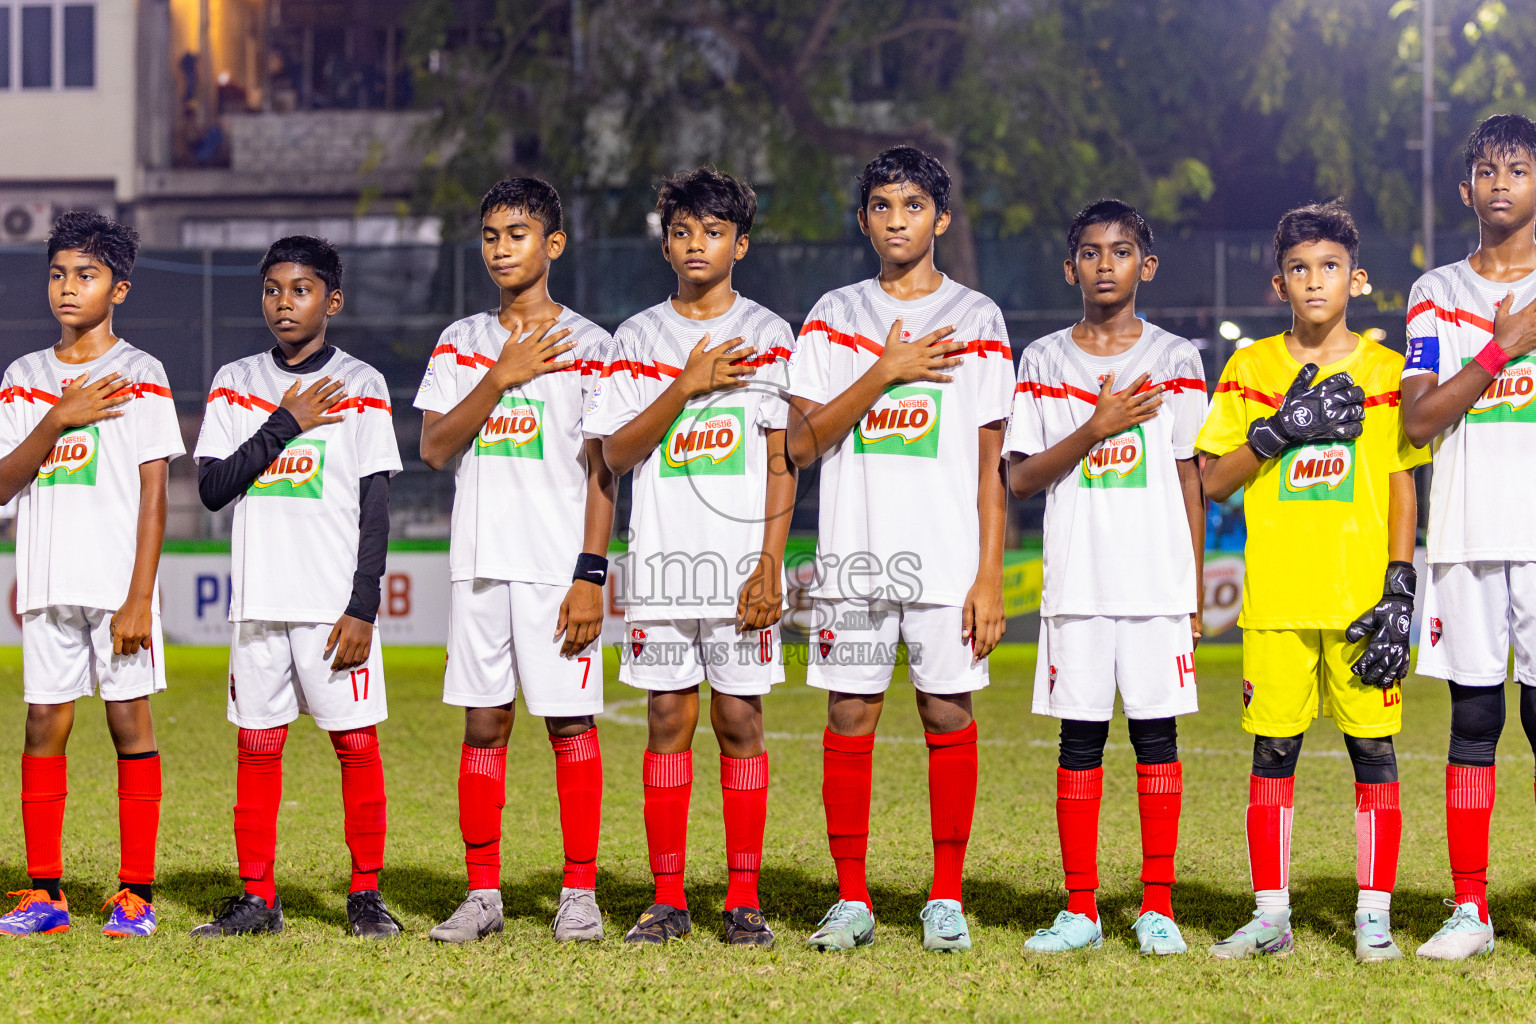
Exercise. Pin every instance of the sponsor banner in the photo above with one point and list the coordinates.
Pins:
(711, 440)
(1318, 472)
(1510, 397)
(1118, 461)
(73, 459)
(514, 430)
(904, 421)
(297, 472)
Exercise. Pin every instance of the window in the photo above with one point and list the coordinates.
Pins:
(79, 46)
(54, 46)
(36, 47)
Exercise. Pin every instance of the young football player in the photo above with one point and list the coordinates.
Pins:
(1114, 615)
(89, 429)
(506, 393)
(300, 439)
(694, 404)
(901, 386)
(1469, 381)
(1308, 423)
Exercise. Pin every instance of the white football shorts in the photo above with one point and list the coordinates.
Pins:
(501, 641)
(1473, 612)
(278, 671)
(66, 654)
(674, 654)
(853, 647)
(1084, 659)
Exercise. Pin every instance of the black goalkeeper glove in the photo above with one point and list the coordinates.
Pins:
(1330, 411)
(1385, 660)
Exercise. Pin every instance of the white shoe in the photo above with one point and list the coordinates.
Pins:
(578, 919)
(478, 916)
(1464, 934)
(1373, 937)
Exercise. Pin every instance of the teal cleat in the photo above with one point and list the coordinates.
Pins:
(1464, 935)
(1157, 935)
(1068, 932)
(1373, 938)
(944, 927)
(848, 925)
(1268, 934)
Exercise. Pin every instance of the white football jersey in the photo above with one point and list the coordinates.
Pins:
(520, 489)
(77, 524)
(699, 497)
(295, 531)
(1117, 538)
(1483, 465)
(898, 518)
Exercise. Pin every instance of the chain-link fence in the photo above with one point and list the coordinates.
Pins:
(197, 310)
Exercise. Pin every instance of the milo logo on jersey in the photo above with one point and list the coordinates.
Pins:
(1509, 398)
(73, 459)
(1318, 472)
(295, 473)
(711, 441)
(905, 421)
(515, 429)
(1118, 461)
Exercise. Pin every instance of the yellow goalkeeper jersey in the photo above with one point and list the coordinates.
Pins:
(1317, 514)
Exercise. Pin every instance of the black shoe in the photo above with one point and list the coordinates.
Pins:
(660, 923)
(243, 915)
(744, 926)
(370, 918)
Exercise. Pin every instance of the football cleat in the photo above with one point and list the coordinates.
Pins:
(1157, 935)
(577, 919)
(945, 929)
(478, 916)
(243, 914)
(1465, 934)
(36, 914)
(660, 924)
(848, 925)
(1373, 937)
(131, 916)
(744, 926)
(1068, 932)
(369, 917)
(1268, 934)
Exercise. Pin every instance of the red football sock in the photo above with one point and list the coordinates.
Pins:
(668, 788)
(138, 816)
(1270, 803)
(579, 781)
(847, 775)
(258, 794)
(482, 795)
(1468, 809)
(363, 803)
(951, 806)
(744, 789)
(1159, 795)
(1078, 795)
(1378, 835)
(44, 785)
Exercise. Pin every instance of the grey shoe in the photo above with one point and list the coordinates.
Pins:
(578, 919)
(478, 916)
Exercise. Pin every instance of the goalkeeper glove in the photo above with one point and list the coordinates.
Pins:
(1385, 659)
(1330, 411)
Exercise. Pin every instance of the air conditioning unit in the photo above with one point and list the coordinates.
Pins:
(25, 222)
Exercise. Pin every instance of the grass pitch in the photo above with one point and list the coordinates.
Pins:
(1013, 883)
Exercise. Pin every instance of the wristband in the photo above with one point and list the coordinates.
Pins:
(591, 568)
(1492, 358)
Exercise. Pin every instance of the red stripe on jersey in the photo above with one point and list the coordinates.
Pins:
(836, 337)
(981, 346)
(1424, 306)
(1461, 316)
(473, 359)
(361, 403)
(1385, 398)
(140, 390)
(1273, 401)
(26, 394)
(768, 356)
(244, 401)
(1179, 384)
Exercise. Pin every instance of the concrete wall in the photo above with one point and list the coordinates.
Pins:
(78, 135)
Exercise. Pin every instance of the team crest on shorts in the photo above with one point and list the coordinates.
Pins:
(824, 640)
(1051, 687)
(637, 641)
(1247, 693)
(1434, 631)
